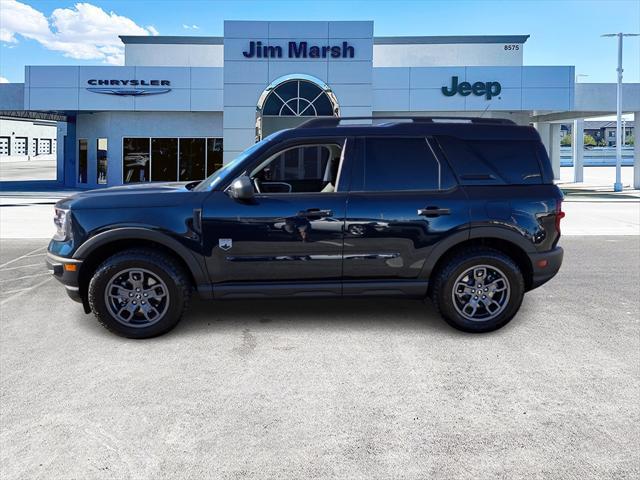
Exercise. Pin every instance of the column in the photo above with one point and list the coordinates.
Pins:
(636, 151)
(61, 130)
(543, 130)
(554, 149)
(70, 168)
(577, 147)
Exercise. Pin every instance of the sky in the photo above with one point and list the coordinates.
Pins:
(563, 32)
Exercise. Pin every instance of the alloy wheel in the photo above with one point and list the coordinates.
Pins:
(137, 297)
(481, 293)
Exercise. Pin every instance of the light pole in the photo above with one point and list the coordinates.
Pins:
(617, 187)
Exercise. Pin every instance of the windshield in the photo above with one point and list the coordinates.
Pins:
(221, 174)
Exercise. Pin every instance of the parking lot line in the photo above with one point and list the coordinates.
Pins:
(19, 293)
(25, 276)
(22, 256)
(23, 266)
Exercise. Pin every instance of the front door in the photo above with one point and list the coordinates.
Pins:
(291, 233)
(404, 201)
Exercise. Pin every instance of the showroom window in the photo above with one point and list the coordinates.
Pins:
(136, 156)
(170, 159)
(82, 161)
(101, 161)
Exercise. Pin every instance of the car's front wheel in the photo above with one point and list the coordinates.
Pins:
(479, 290)
(139, 293)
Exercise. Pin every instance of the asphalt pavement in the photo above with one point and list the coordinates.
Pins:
(357, 389)
(28, 170)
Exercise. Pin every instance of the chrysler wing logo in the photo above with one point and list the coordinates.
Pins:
(130, 92)
(130, 88)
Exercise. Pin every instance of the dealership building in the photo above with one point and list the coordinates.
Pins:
(182, 106)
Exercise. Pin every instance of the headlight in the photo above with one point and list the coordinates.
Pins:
(62, 220)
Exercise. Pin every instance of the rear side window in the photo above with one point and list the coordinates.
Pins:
(401, 163)
(480, 162)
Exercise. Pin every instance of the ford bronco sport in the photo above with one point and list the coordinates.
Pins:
(463, 211)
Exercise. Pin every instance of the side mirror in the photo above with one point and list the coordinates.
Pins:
(241, 188)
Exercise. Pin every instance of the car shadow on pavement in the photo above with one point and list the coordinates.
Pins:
(308, 314)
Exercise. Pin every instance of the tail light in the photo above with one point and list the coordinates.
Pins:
(559, 215)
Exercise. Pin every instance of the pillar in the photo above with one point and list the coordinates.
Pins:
(636, 151)
(554, 149)
(577, 147)
(69, 168)
(543, 130)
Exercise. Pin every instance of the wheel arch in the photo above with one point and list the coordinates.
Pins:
(512, 246)
(100, 247)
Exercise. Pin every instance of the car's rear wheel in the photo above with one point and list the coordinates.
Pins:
(479, 290)
(139, 293)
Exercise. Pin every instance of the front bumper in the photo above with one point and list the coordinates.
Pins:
(66, 271)
(545, 266)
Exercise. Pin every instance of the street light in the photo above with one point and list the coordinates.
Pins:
(617, 187)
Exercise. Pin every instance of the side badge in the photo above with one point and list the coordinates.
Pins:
(225, 243)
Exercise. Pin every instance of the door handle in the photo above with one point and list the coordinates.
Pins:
(315, 212)
(433, 211)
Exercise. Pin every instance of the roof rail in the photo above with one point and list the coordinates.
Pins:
(328, 122)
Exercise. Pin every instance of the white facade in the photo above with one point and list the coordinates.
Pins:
(214, 86)
(23, 139)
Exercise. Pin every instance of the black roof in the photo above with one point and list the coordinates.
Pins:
(472, 128)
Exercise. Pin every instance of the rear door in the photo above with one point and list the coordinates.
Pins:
(404, 201)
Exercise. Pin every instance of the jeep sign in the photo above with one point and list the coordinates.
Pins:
(488, 89)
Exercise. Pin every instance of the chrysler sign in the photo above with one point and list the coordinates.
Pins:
(131, 87)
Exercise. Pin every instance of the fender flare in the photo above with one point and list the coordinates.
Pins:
(496, 232)
(140, 233)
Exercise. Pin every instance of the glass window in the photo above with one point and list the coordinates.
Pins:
(101, 161)
(400, 164)
(214, 155)
(136, 156)
(307, 168)
(82, 161)
(192, 159)
(164, 159)
(297, 98)
(515, 161)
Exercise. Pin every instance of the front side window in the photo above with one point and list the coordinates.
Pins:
(400, 163)
(300, 169)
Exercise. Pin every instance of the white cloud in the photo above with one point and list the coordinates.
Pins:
(4, 80)
(85, 32)
(190, 27)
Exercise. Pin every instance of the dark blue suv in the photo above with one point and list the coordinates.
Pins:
(463, 211)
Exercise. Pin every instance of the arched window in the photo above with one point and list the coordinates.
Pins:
(299, 98)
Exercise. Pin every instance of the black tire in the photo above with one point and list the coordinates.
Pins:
(157, 264)
(445, 280)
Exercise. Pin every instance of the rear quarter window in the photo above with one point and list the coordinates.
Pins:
(493, 162)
